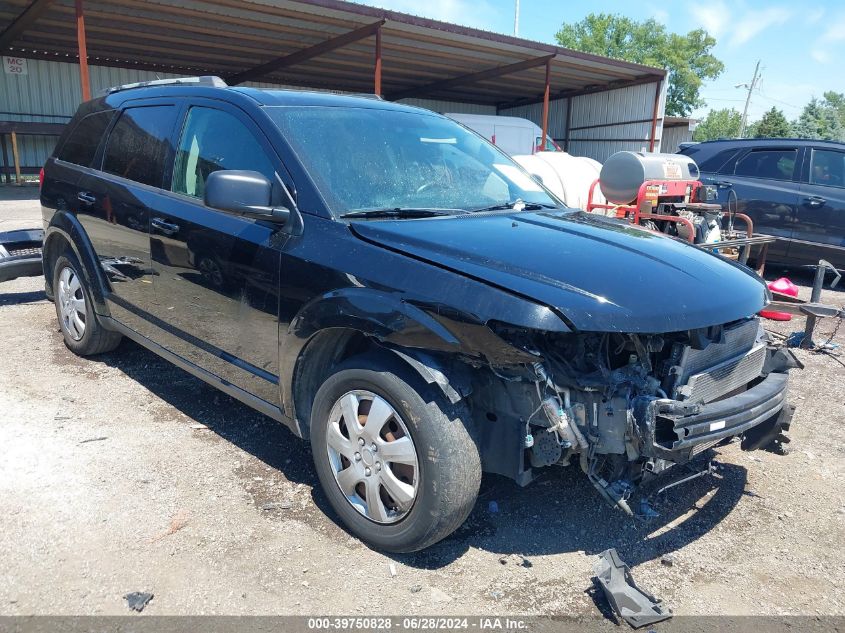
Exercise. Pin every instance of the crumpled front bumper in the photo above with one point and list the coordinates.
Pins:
(20, 254)
(677, 431)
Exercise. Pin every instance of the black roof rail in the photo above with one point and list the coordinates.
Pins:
(209, 81)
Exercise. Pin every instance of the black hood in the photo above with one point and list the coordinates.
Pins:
(600, 274)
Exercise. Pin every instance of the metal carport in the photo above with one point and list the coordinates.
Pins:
(323, 44)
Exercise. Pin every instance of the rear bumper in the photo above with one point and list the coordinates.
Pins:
(20, 254)
(677, 431)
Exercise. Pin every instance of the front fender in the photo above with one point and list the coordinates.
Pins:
(386, 317)
(391, 320)
(65, 227)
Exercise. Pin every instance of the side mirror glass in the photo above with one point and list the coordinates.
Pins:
(243, 192)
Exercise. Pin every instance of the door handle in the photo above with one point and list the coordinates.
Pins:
(86, 198)
(815, 201)
(168, 228)
(723, 184)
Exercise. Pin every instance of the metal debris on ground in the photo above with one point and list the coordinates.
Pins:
(137, 600)
(634, 605)
(93, 439)
(276, 505)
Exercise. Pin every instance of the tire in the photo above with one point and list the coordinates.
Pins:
(444, 479)
(80, 327)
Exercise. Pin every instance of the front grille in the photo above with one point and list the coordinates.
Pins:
(708, 385)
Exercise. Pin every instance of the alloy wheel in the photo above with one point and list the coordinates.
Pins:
(372, 456)
(72, 306)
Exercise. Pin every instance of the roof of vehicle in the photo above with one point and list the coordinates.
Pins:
(317, 98)
(767, 141)
(215, 88)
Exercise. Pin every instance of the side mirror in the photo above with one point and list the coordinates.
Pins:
(243, 192)
(538, 178)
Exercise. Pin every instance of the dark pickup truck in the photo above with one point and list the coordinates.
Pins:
(399, 293)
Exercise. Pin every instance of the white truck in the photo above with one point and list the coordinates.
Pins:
(511, 134)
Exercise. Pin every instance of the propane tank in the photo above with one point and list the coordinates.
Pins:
(624, 172)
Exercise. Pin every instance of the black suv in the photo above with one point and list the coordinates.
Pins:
(400, 293)
(793, 189)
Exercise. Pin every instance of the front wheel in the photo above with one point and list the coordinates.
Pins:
(393, 455)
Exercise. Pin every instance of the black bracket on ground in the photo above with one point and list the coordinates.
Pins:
(634, 605)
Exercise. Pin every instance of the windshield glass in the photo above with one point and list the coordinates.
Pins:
(368, 158)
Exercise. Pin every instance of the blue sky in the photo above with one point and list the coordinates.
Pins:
(801, 45)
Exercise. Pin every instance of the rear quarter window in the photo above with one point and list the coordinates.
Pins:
(81, 145)
(139, 144)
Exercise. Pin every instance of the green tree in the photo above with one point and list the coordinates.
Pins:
(836, 100)
(723, 123)
(772, 125)
(819, 120)
(687, 58)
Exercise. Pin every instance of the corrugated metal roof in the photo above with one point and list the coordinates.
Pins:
(227, 37)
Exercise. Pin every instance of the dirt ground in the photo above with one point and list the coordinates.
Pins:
(122, 473)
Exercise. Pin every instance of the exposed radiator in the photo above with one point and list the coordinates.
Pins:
(704, 375)
(708, 385)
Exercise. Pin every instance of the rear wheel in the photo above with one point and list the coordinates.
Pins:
(393, 455)
(82, 331)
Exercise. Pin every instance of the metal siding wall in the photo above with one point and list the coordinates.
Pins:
(606, 109)
(53, 88)
(450, 106)
(674, 136)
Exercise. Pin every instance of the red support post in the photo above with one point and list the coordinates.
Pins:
(377, 77)
(84, 78)
(653, 138)
(546, 105)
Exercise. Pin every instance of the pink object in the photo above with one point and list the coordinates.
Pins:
(784, 286)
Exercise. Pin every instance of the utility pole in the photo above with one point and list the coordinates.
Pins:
(750, 88)
(516, 19)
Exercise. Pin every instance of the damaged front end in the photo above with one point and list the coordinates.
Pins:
(623, 406)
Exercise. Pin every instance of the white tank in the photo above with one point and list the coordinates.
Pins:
(624, 172)
(568, 177)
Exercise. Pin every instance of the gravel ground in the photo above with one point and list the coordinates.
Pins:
(122, 473)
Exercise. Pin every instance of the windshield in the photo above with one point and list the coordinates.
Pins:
(369, 158)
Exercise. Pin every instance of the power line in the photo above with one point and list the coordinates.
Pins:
(765, 96)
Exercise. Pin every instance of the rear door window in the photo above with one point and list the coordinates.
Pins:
(827, 167)
(213, 140)
(139, 144)
(81, 146)
(772, 164)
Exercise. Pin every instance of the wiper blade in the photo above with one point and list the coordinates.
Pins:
(400, 212)
(517, 205)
